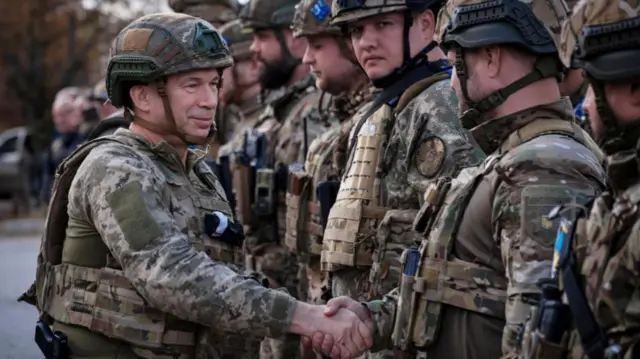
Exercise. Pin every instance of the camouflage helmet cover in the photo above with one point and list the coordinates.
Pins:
(268, 14)
(313, 17)
(345, 11)
(552, 13)
(238, 38)
(214, 11)
(159, 45)
(602, 37)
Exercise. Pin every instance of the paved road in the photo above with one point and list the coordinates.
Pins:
(19, 243)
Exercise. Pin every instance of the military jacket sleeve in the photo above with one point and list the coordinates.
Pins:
(127, 201)
(528, 182)
(436, 143)
(383, 316)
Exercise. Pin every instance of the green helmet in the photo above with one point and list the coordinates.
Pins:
(268, 14)
(214, 11)
(158, 45)
(313, 17)
(238, 38)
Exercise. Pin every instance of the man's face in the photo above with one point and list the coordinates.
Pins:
(623, 100)
(67, 116)
(333, 72)
(193, 97)
(474, 80)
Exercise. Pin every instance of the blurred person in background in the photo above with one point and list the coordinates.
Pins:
(70, 130)
(111, 118)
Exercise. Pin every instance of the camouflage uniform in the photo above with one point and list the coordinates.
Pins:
(129, 266)
(394, 152)
(304, 210)
(600, 280)
(288, 124)
(486, 237)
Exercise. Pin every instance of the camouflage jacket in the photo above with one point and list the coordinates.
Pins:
(151, 248)
(425, 140)
(493, 225)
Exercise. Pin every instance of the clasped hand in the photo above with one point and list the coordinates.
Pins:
(345, 330)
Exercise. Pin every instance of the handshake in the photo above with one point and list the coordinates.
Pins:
(343, 329)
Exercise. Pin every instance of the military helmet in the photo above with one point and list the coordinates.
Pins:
(159, 45)
(475, 24)
(313, 17)
(238, 38)
(268, 14)
(213, 11)
(345, 11)
(602, 38)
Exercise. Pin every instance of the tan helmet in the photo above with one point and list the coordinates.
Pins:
(268, 14)
(238, 38)
(345, 11)
(313, 17)
(214, 11)
(601, 38)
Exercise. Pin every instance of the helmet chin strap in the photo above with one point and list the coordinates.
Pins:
(172, 134)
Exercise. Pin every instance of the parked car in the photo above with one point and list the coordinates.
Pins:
(16, 156)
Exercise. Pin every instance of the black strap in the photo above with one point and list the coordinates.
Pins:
(591, 336)
(387, 95)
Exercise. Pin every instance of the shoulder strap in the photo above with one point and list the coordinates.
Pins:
(57, 216)
(591, 336)
(417, 88)
(543, 126)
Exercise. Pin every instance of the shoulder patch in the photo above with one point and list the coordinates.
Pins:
(537, 203)
(429, 156)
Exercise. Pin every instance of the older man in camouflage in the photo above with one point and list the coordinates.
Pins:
(469, 286)
(138, 231)
(311, 190)
(600, 277)
(276, 145)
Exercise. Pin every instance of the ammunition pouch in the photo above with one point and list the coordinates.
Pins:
(303, 231)
(264, 195)
(104, 301)
(346, 243)
(534, 344)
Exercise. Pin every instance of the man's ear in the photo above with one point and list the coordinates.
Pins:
(140, 97)
(491, 56)
(426, 21)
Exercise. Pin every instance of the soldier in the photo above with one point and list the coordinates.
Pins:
(487, 238)
(281, 137)
(216, 12)
(598, 268)
(111, 118)
(309, 192)
(406, 137)
(131, 265)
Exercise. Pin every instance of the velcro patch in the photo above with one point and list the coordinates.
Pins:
(537, 202)
(429, 156)
(134, 215)
(136, 39)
